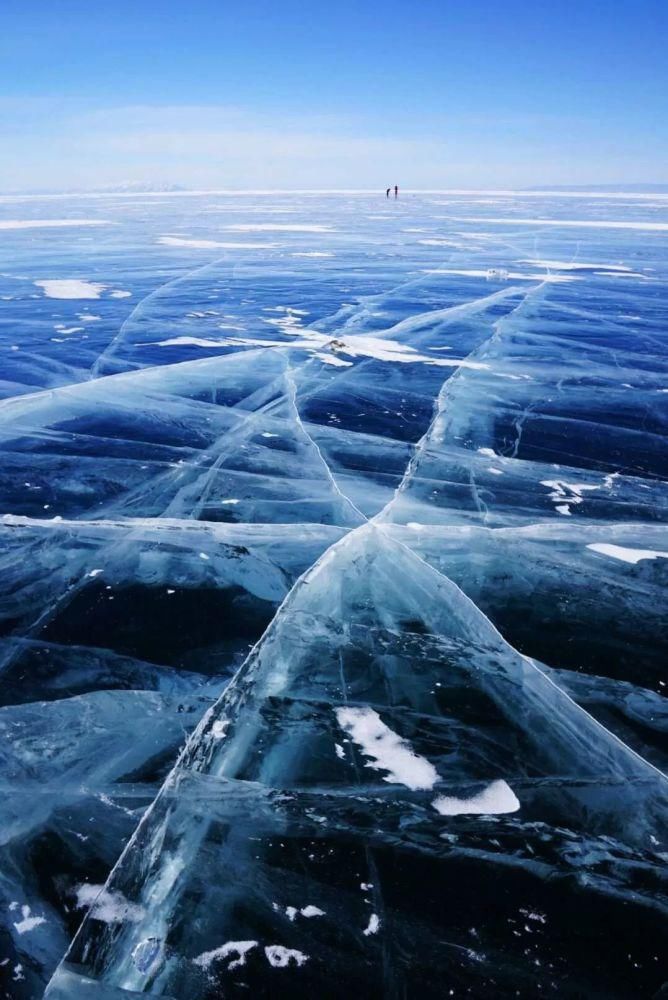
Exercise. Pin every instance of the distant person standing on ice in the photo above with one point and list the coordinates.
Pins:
(387, 193)
(396, 191)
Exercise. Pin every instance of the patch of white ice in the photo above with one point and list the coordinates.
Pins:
(70, 288)
(625, 554)
(108, 906)
(280, 957)
(28, 923)
(387, 750)
(278, 227)
(177, 241)
(50, 223)
(497, 798)
(585, 223)
(238, 948)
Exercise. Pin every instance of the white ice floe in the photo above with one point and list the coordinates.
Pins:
(70, 288)
(387, 750)
(626, 554)
(312, 253)
(239, 949)
(373, 926)
(280, 957)
(497, 798)
(108, 906)
(50, 223)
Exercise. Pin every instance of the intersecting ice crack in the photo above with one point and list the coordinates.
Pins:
(298, 421)
(409, 502)
(344, 555)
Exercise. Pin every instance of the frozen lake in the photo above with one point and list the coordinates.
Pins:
(333, 560)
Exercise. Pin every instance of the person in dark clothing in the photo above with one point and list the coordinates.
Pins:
(387, 193)
(396, 191)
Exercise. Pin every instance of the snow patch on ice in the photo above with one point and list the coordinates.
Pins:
(388, 751)
(50, 223)
(177, 241)
(108, 906)
(70, 288)
(626, 554)
(238, 948)
(280, 957)
(292, 912)
(566, 495)
(28, 922)
(585, 223)
(497, 798)
(278, 227)
(575, 265)
(188, 342)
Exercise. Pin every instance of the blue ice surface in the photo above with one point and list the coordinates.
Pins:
(332, 583)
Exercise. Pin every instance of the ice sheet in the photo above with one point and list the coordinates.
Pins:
(332, 594)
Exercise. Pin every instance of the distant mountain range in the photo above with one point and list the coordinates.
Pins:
(631, 188)
(140, 187)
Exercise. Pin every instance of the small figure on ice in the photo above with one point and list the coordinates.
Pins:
(396, 191)
(387, 193)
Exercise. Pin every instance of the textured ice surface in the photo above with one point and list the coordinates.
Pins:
(332, 596)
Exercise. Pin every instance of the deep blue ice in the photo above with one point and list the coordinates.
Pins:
(333, 558)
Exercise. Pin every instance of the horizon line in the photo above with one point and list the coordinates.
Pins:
(556, 192)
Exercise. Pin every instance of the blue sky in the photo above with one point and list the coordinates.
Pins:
(348, 94)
